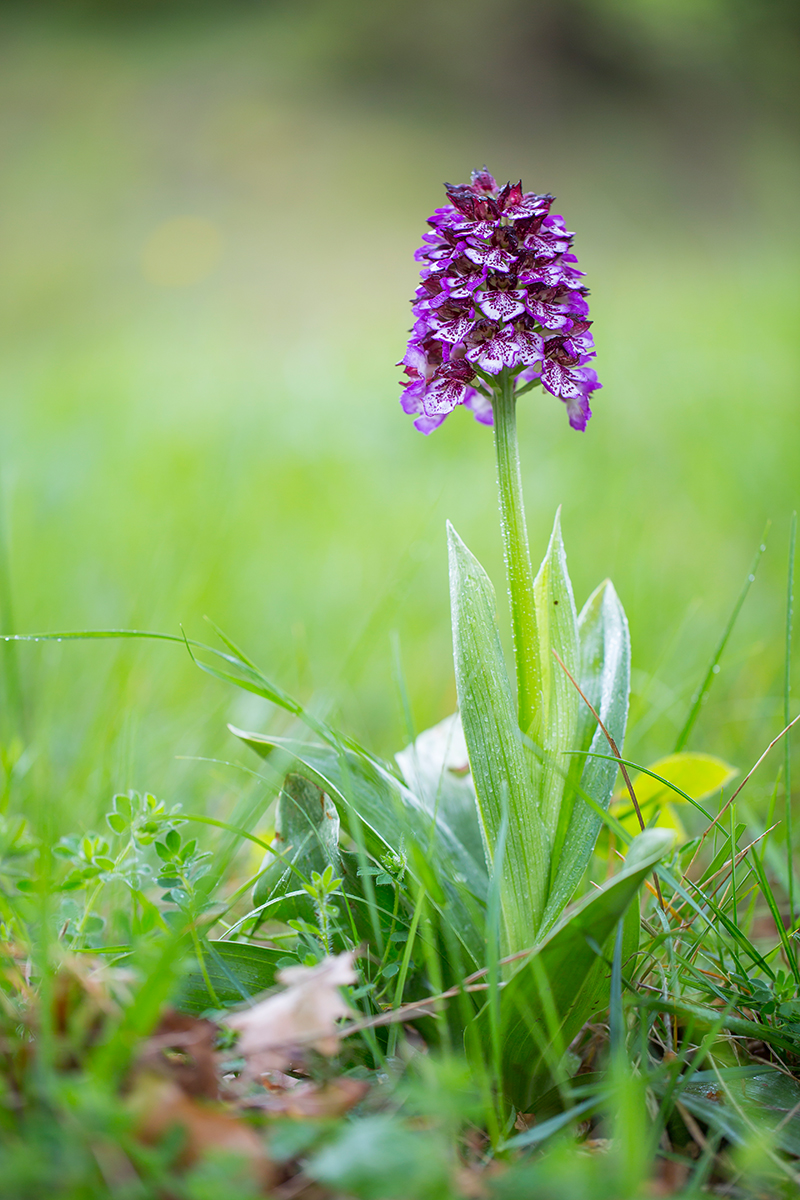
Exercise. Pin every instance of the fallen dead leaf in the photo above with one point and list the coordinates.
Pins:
(471, 1184)
(670, 1179)
(159, 1104)
(278, 1081)
(308, 1100)
(474, 1182)
(305, 1015)
(596, 1145)
(182, 1049)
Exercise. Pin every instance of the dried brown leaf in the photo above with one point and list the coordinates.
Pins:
(182, 1049)
(159, 1104)
(304, 1015)
(308, 1100)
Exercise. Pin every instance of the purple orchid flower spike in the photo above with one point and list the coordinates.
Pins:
(499, 292)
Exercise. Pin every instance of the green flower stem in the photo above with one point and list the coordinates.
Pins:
(515, 547)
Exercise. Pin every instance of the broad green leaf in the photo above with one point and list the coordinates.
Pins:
(436, 768)
(237, 972)
(699, 775)
(500, 770)
(562, 976)
(734, 1101)
(556, 707)
(393, 818)
(605, 681)
(307, 839)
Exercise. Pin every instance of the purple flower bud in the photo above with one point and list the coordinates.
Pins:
(499, 290)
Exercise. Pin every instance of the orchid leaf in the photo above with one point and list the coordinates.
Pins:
(556, 706)
(500, 770)
(605, 682)
(564, 979)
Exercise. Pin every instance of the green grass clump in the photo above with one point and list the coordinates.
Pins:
(684, 1084)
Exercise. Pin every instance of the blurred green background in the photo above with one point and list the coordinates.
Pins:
(208, 215)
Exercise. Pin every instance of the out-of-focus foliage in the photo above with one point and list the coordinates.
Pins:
(207, 218)
(684, 60)
(540, 54)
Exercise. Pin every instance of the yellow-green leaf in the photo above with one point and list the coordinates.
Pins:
(698, 775)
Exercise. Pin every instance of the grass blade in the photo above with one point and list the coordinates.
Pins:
(616, 1015)
(787, 685)
(392, 817)
(700, 695)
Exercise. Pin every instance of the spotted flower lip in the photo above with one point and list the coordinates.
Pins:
(500, 289)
